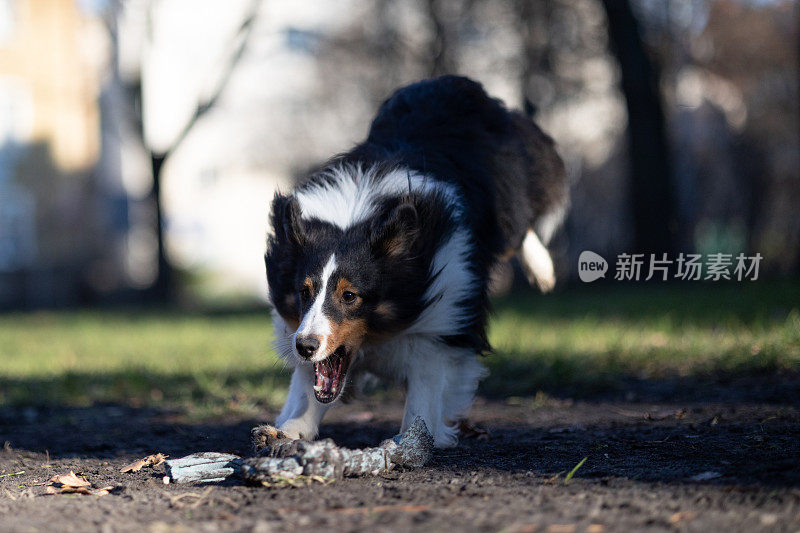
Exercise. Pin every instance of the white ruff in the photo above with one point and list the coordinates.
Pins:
(353, 190)
(455, 283)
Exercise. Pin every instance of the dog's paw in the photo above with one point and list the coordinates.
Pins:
(269, 440)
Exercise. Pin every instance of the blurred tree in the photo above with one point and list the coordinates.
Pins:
(444, 37)
(163, 288)
(651, 190)
(535, 22)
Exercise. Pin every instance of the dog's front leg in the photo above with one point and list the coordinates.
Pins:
(426, 383)
(302, 413)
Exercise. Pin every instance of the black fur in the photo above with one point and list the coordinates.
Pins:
(450, 129)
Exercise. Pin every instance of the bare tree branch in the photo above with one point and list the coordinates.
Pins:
(243, 36)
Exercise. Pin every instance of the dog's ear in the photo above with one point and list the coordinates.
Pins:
(286, 221)
(281, 256)
(397, 232)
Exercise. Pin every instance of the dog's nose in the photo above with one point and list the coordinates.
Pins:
(306, 345)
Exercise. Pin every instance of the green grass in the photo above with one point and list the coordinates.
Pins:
(205, 363)
(577, 341)
(589, 340)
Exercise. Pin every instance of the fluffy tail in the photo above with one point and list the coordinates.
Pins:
(537, 262)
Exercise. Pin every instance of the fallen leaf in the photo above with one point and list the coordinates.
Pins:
(561, 528)
(682, 516)
(63, 489)
(74, 484)
(150, 460)
(70, 480)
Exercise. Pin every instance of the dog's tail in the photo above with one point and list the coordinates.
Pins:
(548, 193)
(535, 257)
(537, 263)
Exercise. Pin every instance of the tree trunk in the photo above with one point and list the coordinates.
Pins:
(441, 60)
(535, 22)
(161, 291)
(652, 194)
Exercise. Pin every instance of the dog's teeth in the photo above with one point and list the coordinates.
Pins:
(317, 388)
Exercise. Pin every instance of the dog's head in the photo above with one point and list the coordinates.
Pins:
(339, 288)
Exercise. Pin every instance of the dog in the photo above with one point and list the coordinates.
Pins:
(379, 262)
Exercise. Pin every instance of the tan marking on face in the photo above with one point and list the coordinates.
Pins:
(309, 284)
(385, 310)
(291, 303)
(344, 285)
(349, 333)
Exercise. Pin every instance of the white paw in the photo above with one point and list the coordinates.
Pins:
(299, 429)
(445, 436)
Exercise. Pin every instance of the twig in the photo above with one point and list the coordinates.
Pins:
(572, 472)
(176, 500)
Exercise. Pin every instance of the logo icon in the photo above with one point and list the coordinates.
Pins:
(591, 266)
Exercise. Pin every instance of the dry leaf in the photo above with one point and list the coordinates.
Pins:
(70, 480)
(73, 484)
(64, 489)
(150, 460)
(682, 516)
(561, 528)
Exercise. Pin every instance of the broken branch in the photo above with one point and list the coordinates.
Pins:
(292, 459)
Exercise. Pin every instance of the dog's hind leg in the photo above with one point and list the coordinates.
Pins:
(302, 413)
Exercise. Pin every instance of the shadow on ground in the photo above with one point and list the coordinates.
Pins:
(646, 438)
(711, 450)
(650, 464)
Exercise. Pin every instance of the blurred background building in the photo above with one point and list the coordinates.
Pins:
(678, 121)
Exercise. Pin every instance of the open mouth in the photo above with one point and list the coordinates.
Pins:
(329, 375)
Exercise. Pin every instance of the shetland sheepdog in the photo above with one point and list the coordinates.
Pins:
(379, 262)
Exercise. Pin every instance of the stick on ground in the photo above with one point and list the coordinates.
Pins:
(289, 459)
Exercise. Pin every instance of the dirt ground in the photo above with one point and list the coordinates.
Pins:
(667, 455)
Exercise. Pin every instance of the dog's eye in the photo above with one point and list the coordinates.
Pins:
(305, 293)
(348, 297)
